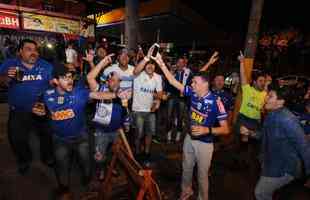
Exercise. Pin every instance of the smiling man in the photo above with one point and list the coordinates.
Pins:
(28, 77)
(283, 145)
(146, 83)
(66, 105)
(205, 111)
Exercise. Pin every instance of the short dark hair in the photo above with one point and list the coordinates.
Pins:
(256, 75)
(153, 62)
(218, 74)
(24, 41)
(283, 93)
(60, 70)
(204, 75)
(101, 47)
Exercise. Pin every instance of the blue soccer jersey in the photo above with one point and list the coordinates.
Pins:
(226, 98)
(205, 111)
(23, 94)
(67, 112)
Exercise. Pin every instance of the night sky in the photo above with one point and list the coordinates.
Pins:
(276, 13)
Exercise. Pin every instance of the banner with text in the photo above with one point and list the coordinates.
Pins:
(9, 20)
(51, 24)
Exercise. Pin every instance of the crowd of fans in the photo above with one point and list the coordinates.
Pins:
(101, 93)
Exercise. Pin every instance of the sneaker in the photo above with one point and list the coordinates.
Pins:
(178, 136)
(147, 160)
(169, 136)
(155, 140)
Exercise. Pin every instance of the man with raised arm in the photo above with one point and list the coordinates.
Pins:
(177, 103)
(205, 111)
(253, 98)
(65, 105)
(109, 115)
(146, 85)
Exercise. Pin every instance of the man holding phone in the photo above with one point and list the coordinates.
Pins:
(146, 83)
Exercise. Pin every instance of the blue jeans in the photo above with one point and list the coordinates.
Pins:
(102, 141)
(145, 123)
(267, 185)
(66, 151)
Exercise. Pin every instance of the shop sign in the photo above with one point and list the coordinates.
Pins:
(9, 20)
(50, 24)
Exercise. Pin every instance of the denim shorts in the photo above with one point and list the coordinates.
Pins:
(103, 140)
(145, 123)
(252, 124)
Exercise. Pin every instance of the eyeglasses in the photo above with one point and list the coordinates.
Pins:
(67, 77)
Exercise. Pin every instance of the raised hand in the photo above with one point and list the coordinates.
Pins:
(108, 59)
(89, 56)
(241, 57)
(150, 51)
(140, 53)
(211, 61)
(214, 57)
(158, 59)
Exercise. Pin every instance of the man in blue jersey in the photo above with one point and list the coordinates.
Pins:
(225, 96)
(109, 116)
(177, 103)
(205, 111)
(66, 107)
(28, 77)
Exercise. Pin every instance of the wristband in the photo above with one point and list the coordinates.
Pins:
(146, 59)
(210, 130)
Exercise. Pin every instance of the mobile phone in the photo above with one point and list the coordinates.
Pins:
(155, 50)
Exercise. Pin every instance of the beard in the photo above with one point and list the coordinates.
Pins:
(32, 59)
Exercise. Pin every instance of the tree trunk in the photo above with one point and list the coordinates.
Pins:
(131, 24)
(250, 46)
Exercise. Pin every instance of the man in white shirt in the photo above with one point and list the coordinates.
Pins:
(146, 83)
(71, 54)
(123, 69)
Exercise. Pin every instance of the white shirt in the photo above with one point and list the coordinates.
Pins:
(71, 55)
(125, 76)
(143, 91)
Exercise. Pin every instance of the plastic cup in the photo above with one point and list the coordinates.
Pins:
(125, 103)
